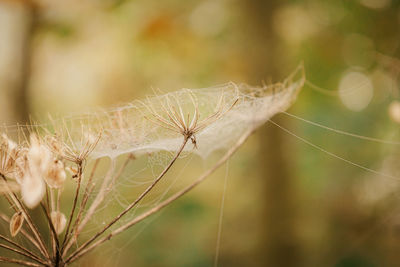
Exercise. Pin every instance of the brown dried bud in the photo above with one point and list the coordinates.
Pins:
(16, 222)
(72, 170)
(59, 221)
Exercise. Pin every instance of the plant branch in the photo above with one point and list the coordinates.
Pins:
(71, 216)
(51, 225)
(99, 198)
(23, 251)
(134, 203)
(29, 220)
(165, 203)
(88, 189)
(20, 262)
(29, 237)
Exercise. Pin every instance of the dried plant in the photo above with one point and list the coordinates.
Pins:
(35, 171)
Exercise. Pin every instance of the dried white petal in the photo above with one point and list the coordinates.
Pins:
(32, 190)
(39, 155)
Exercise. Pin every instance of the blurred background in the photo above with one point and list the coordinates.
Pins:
(287, 203)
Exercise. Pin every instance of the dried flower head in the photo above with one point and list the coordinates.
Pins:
(8, 155)
(65, 147)
(173, 118)
(21, 163)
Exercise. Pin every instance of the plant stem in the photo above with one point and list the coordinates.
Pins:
(29, 220)
(51, 226)
(134, 203)
(228, 154)
(22, 251)
(71, 216)
(99, 197)
(88, 189)
(29, 237)
(20, 262)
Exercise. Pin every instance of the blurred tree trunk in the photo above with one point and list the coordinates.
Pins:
(18, 35)
(278, 241)
(21, 96)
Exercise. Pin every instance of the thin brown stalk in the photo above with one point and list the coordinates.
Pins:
(24, 233)
(88, 189)
(20, 262)
(71, 216)
(53, 240)
(33, 228)
(228, 154)
(10, 202)
(23, 251)
(47, 198)
(99, 198)
(74, 234)
(51, 226)
(134, 203)
(29, 220)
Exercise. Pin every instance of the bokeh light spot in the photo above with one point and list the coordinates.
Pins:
(375, 4)
(394, 111)
(355, 90)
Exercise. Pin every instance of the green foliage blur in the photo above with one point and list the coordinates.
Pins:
(287, 203)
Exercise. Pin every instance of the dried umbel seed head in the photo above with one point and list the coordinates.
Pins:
(55, 145)
(8, 155)
(21, 164)
(16, 222)
(75, 151)
(173, 118)
(55, 175)
(59, 221)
